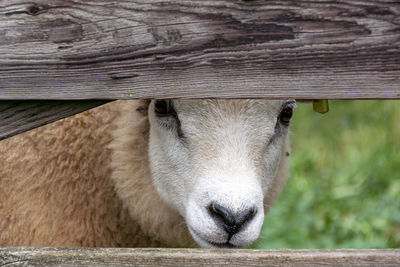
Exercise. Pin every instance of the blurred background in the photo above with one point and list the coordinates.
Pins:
(344, 190)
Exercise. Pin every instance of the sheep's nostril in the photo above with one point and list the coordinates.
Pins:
(247, 215)
(221, 212)
(231, 222)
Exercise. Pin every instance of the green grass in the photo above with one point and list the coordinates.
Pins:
(344, 190)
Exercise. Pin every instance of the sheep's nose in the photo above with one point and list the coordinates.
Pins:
(231, 222)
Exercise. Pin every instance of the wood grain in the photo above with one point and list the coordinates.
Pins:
(20, 116)
(195, 257)
(105, 49)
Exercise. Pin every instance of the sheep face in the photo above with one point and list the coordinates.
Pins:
(219, 163)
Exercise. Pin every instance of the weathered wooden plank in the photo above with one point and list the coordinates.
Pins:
(20, 116)
(108, 49)
(196, 257)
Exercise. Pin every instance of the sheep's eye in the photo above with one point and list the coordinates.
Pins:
(163, 108)
(286, 115)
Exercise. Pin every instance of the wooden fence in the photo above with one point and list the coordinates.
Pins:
(195, 257)
(84, 53)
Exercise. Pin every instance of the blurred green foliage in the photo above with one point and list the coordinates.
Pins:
(344, 190)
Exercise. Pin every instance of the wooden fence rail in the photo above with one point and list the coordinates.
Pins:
(102, 49)
(19, 116)
(195, 257)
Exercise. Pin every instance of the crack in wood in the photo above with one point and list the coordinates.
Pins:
(122, 75)
(13, 262)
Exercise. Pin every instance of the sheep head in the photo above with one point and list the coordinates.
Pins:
(219, 163)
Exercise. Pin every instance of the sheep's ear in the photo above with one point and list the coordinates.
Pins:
(144, 106)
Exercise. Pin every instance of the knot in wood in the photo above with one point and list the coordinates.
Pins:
(34, 10)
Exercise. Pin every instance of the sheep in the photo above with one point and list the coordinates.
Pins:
(139, 173)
